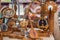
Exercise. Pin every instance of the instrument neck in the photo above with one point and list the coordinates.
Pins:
(30, 22)
(15, 8)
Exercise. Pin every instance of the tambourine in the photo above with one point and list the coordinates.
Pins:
(50, 5)
(8, 12)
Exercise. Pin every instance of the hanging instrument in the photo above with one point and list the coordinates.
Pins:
(43, 24)
(15, 8)
(8, 13)
(33, 33)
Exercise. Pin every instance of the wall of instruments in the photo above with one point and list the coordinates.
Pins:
(27, 18)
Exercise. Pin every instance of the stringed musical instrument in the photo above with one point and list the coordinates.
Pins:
(33, 33)
(15, 8)
(43, 24)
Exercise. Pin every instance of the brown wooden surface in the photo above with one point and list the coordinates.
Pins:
(1, 36)
(32, 39)
(51, 24)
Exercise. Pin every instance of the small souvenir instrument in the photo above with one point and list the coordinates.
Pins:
(15, 8)
(33, 33)
(43, 24)
(24, 23)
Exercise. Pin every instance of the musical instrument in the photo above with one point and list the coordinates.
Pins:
(42, 23)
(33, 33)
(24, 23)
(8, 13)
(35, 11)
(15, 8)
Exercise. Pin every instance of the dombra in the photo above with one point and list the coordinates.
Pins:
(33, 33)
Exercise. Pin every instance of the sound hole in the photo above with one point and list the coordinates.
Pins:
(42, 22)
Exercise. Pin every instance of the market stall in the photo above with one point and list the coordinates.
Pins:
(27, 20)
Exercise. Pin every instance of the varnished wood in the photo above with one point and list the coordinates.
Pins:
(50, 14)
(15, 8)
(33, 33)
(1, 36)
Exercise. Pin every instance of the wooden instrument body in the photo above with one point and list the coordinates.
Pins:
(33, 33)
(43, 24)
